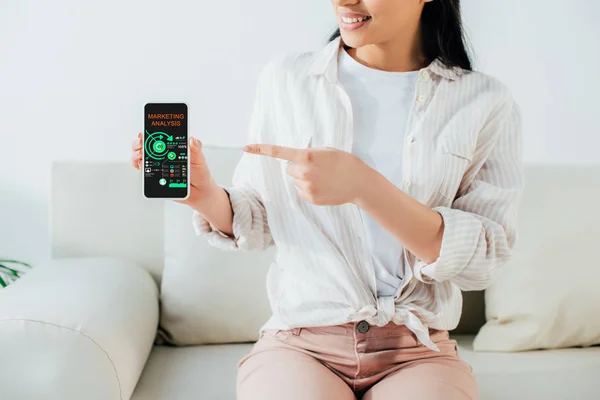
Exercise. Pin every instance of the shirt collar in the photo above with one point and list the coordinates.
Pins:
(325, 62)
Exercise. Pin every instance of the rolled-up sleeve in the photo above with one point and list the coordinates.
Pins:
(250, 223)
(480, 227)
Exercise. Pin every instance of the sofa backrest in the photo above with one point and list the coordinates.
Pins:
(97, 209)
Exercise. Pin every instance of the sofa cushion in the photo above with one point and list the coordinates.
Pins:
(547, 296)
(209, 372)
(530, 375)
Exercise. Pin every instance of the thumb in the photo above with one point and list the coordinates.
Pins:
(196, 154)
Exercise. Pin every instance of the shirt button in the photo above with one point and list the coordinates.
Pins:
(421, 98)
(362, 327)
(410, 138)
(425, 74)
(408, 183)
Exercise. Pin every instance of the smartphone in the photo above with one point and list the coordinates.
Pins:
(165, 151)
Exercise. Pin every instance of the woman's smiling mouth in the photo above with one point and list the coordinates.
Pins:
(354, 22)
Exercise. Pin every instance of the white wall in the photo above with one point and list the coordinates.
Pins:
(547, 51)
(74, 77)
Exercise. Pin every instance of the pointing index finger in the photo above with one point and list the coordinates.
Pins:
(272, 150)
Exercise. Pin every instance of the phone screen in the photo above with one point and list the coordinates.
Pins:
(165, 163)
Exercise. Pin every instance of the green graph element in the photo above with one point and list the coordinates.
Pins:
(154, 146)
(159, 146)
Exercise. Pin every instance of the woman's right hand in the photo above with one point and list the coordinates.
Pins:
(202, 184)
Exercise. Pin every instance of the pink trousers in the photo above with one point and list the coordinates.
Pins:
(348, 362)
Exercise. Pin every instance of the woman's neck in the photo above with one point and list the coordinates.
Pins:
(403, 53)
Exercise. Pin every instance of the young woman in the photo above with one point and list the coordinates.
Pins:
(388, 174)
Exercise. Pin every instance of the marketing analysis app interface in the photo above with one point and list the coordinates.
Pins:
(165, 150)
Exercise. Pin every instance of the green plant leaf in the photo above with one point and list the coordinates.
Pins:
(2, 283)
(10, 270)
(16, 262)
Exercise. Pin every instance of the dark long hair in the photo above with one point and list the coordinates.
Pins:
(442, 34)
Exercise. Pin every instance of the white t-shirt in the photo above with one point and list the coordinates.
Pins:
(381, 101)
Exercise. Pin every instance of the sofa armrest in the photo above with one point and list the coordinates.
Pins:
(78, 328)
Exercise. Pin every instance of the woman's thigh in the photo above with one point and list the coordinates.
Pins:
(274, 372)
(435, 378)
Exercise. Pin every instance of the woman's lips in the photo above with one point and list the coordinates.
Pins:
(350, 26)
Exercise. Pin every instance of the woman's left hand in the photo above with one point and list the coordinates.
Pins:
(323, 176)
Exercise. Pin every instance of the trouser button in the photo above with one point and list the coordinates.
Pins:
(363, 326)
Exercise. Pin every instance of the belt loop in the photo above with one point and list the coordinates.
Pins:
(296, 331)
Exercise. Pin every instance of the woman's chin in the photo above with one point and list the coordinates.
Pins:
(353, 40)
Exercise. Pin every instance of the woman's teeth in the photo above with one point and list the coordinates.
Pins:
(354, 20)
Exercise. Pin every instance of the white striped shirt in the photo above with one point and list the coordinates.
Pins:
(462, 158)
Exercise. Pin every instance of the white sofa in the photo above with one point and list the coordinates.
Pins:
(84, 325)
